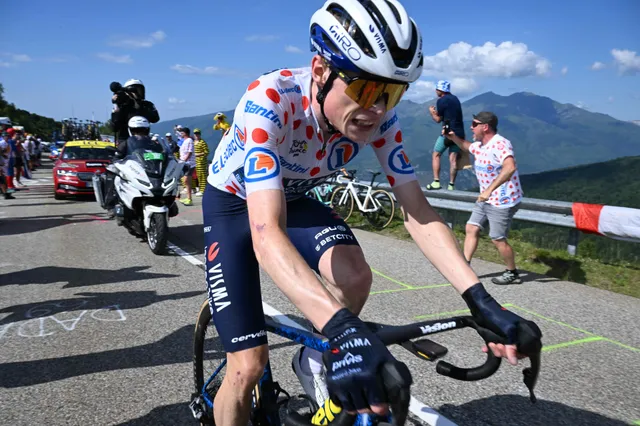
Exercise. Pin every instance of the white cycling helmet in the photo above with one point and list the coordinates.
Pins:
(139, 122)
(135, 85)
(368, 36)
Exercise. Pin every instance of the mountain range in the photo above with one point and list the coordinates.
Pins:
(546, 134)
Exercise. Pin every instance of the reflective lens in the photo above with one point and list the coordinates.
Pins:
(367, 92)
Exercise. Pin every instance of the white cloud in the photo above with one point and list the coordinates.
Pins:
(109, 57)
(13, 59)
(627, 61)
(423, 90)
(505, 60)
(292, 49)
(4, 64)
(262, 38)
(598, 66)
(564, 70)
(139, 42)
(582, 105)
(21, 58)
(190, 69)
(176, 101)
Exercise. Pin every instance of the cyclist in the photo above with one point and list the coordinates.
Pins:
(256, 214)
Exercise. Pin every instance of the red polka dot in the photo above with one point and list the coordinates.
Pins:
(286, 73)
(314, 171)
(391, 180)
(305, 102)
(273, 95)
(259, 135)
(296, 124)
(309, 132)
(320, 137)
(399, 136)
(286, 117)
(379, 143)
(253, 85)
(320, 154)
(293, 108)
(231, 189)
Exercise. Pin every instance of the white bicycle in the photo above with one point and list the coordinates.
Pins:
(378, 206)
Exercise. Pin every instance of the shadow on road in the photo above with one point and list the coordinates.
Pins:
(25, 225)
(169, 415)
(174, 348)
(188, 237)
(516, 410)
(79, 277)
(127, 300)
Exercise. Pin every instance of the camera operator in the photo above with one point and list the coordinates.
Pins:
(129, 101)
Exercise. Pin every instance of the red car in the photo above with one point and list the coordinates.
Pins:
(76, 165)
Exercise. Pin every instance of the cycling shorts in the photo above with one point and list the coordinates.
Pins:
(232, 270)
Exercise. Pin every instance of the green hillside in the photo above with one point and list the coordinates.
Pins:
(612, 182)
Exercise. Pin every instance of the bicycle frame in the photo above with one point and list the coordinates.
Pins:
(267, 391)
(363, 207)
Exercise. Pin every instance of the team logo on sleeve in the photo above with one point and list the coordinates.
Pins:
(342, 151)
(399, 162)
(260, 164)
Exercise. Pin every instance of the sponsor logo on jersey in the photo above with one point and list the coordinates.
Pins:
(399, 162)
(253, 108)
(235, 144)
(387, 125)
(294, 167)
(342, 151)
(260, 164)
(294, 89)
(298, 147)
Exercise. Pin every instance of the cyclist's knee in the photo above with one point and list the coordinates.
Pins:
(247, 366)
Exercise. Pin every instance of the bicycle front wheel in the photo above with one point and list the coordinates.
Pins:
(342, 202)
(385, 209)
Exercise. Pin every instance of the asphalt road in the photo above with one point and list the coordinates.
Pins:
(95, 329)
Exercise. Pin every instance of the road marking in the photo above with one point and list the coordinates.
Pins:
(392, 279)
(394, 290)
(593, 337)
(421, 410)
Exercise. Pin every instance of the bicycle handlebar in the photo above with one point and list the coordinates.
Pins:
(529, 345)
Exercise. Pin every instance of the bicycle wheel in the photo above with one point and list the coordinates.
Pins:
(342, 202)
(386, 208)
(209, 358)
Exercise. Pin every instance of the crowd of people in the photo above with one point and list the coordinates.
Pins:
(20, 155)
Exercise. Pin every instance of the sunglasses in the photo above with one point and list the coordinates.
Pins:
(476, 123)
(366, 91)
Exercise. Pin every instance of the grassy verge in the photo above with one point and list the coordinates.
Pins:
(623, 278)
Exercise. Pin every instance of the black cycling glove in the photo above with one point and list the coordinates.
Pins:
(354, 362)
(513, 329)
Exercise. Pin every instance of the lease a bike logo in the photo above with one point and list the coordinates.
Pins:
(399, 162)
(342, 151)
(260, 164)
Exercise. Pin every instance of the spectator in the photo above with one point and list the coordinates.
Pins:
(187, 155)
(202, 153)
(500, 191)
(448, 111)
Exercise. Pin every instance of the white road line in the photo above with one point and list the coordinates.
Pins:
(419, 409)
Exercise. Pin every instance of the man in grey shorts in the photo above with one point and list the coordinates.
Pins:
(500, 191)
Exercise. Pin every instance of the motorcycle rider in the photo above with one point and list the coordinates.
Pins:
(128, 103)
(138, 127)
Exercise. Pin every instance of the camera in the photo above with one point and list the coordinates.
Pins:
(123, 96)
(446, 127)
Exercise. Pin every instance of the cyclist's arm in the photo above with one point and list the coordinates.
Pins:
(282, 261)
(434, 238)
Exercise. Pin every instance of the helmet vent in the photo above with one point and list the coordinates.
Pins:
(352, 28)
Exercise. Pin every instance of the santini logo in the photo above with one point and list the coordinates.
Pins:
(439, 326)
(347, 361)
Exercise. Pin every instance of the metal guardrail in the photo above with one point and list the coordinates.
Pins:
(548, 212)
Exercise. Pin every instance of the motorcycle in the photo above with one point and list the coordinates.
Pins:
(146, 183)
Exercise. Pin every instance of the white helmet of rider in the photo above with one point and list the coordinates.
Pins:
(368, 36)
(136, 86)
(139, 123)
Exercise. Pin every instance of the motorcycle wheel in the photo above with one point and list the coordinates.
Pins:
(157, 233)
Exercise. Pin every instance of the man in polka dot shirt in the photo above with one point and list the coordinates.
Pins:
(500, 191)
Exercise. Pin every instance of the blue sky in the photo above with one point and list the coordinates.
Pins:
(197, 57)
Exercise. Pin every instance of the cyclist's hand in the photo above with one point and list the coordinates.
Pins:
(354, 362)
(509, 335)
